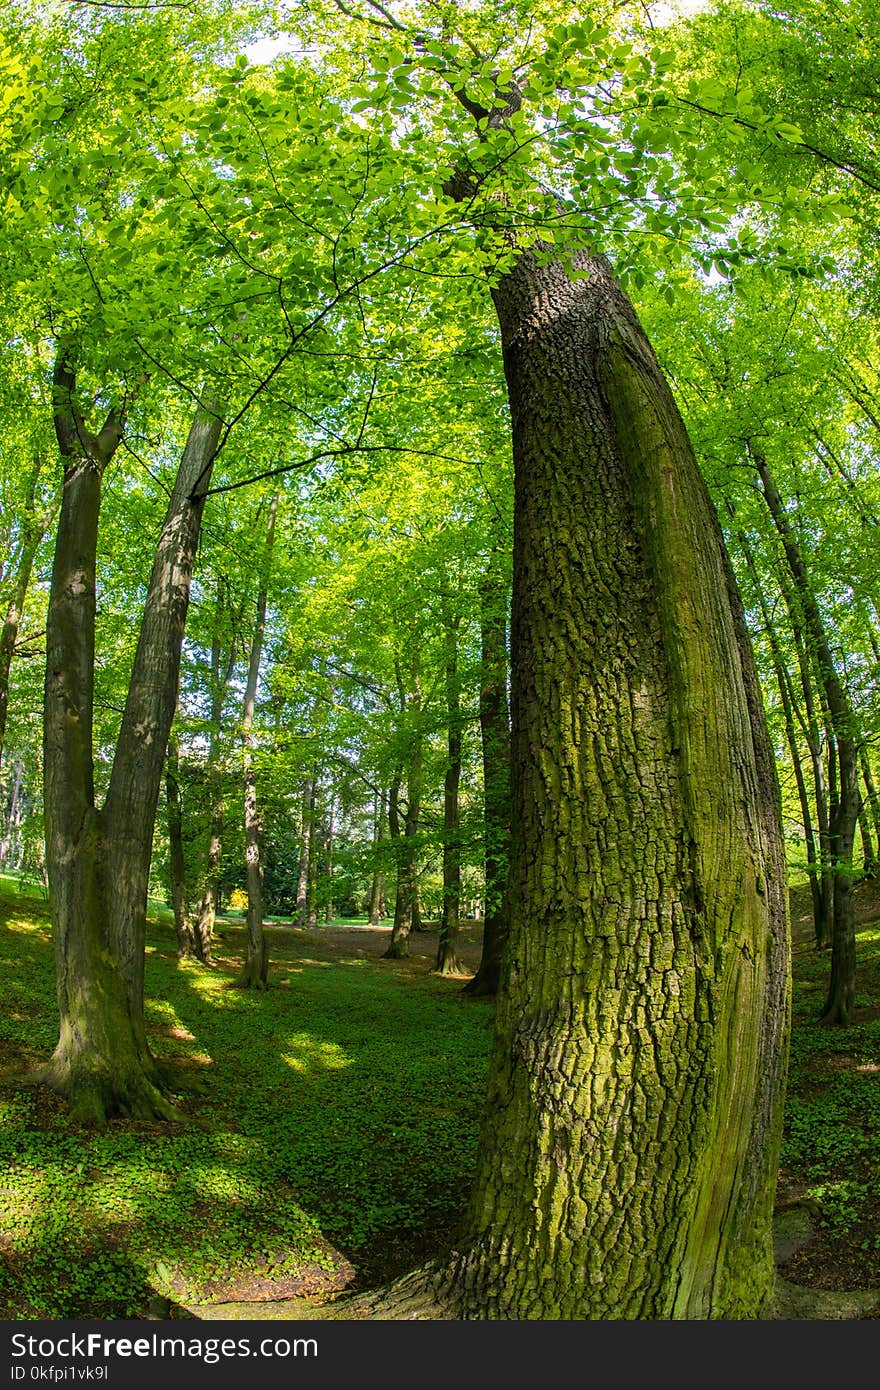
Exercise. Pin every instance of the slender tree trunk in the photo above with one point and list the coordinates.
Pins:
(302, 877)
(871, 790)
(819, 900)
(631, 1135)
(14, 816)
(186, 937)
(328, 861)
(376, 886)
(411, 828)
(256, 965)
(818, 763)
(98, 862)
(398, 947)
(869, 853)
(209, 902)
(448, 962)
(33, 529)
(843, 733)
(495, 744)
(312, 880)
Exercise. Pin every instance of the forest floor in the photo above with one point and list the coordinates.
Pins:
(328, 1130)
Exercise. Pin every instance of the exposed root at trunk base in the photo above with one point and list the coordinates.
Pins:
(247, 980)
(452, 967)
(426, 1294)
(483, 990)
(96, 1094)
(396, 952)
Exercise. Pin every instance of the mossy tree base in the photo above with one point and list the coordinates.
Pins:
(99, 1089)
(398, 950)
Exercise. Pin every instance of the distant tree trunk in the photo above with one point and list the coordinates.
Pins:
(411, 830)
(209, 904)
(98, 861)
(377, 904)
(186, 937)
(448, 962)
(328, 861)
(869, 854)
(631, 1135)
(14, 814)
(33, 529)
(256, 966)
(305, 836)
(398, 947)
(495, 743)
(821, 922)
(845, 803)
(416, 922)
(312, 881)
(871, 791)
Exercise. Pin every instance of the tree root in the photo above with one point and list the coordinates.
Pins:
(96, 1094)
(425, 1294)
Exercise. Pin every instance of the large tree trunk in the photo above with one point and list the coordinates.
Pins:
(256, 966)
(98, 862)
(495, 744)
(630, 1143)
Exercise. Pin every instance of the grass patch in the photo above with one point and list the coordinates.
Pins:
(335, 1121)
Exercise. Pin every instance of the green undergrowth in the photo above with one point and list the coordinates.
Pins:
(333, 1119)
(335, 1115)
(831, 1145)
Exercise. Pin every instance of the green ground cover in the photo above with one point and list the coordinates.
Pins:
(337, 1112)
(329, 1127)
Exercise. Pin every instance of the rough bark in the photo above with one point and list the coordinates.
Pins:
(630, 1143)
(256, 966)
(183, 923)
(98, 861)
(495, 747)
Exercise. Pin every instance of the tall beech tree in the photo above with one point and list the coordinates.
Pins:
(630, 1140)
(98, 858)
